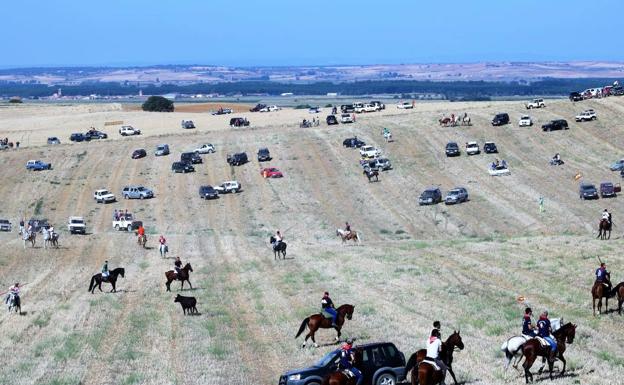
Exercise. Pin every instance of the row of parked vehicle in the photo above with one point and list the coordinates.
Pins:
(472, 148)
(433, 195)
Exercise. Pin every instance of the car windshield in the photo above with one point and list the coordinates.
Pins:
(104, 192)
(607, 185)
(589, 187)
(76, 221)
(141, 189)
(329, 357)
(454, 192)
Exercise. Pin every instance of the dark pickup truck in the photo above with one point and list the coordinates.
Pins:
(559, 124)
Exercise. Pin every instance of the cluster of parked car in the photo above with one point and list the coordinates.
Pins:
(607, 190)
(433, 195)
(86, 137)
(472, 148)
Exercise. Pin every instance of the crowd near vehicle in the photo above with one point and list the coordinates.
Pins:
(38, 224)
(103, 196)
(588, 191)
(191, 157)
(237, 159)
(123, 222)
(608, 189)
(586, 116)
(535, 103)
(472, 148)
(500, 119)
(206, 148)
(346, 118)
(139, 153)
(76, 225)
(129, 131)
(405, 106)
(456, 195)
(378, 164)
(264, 155)
(525, 121)
(53, 140)
(187, 124)
(369, 152)
(162, 150)
(136, 192)
(5, 225)
(38, 165)
(182, 167)
(557, 124)
(430, 196)
(382, 364)
(490, 148)
(353, 143)
(208, 192)
(271, 172)
(230, 186)
(452, 149)
(331, 120)
(95, 134)
(499, 170)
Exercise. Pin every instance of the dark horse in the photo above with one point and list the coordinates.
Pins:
(599, 291)
(370, 174)
(446, 355)
(533, 349)
(603, 227)
(183, 276)
(340, 377)
(318, 321)
(619, 291)
(279, 248)
(96, 280)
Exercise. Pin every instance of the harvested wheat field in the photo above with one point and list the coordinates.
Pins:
(464, 264)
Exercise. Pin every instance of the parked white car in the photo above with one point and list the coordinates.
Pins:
(76, 225)
(103, 196)
(205, 148)
(405, 105)
(346, 118)
(230, 186)
(586, 116)
(369, 152)
(525, 121)
(472, 148)
(270, 109)
(123, 222)
(535, 103)
(129, 130)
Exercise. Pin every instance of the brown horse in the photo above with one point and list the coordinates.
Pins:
(370, 174)
(183, 276)
(318, 321)
(600, 291)
(448, 347)
(348, 236)
(445, 121)
(603, 227)
(619, 291)
(533, 349)
(340, 377)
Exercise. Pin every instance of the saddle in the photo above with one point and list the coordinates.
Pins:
(431, 362)
(326, 314)
(543, 342)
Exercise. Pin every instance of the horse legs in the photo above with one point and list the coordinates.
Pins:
(113, 290)
(564, 364)
(189, 281)
(594, 306)
(450, 370)
(550, 368)
(182, 285)
(168, 284)
(527, 366)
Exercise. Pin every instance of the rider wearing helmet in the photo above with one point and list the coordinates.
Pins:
(327, 306)
(105, 272)
(528, 329)
(347, 356)
(544, 331)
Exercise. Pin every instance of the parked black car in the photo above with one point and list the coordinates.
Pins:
(331, 120)
(617, 91)
(607, 189)
(382, 363)
(500, 119)
(208, 192)
(264, 155)
(95, 134)
(237, 159)
(78, 137)
(347, 108)
(239, 122)
(140, 153)
(490, 148)
(558, 124)
(452, 149)
(53, 140)
(257, 108)
(182, 167)
(588, 191)
(430, 196)
(576, 97)
(38, 224)
(353, 142)
(191, 157)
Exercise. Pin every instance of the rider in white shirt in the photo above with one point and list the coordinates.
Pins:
(434, 347)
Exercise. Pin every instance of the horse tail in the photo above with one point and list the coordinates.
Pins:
(92, 284)
(411, 363)
(303, 326)
(359, 238)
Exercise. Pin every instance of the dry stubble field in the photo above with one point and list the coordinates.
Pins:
(464, 264)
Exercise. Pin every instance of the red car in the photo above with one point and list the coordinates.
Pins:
(271, 172)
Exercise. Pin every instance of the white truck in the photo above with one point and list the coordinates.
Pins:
(76, 225)
(123, 221)
(586, 116)
(369, 152)
(103, 196)
(129, 130)
(535, 103)
(230, 186)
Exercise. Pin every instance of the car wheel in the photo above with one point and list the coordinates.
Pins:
(125, 197)
(386, 379)
(141, 197)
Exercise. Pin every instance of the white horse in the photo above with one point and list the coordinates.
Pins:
(387, 136)
(513, 346)
(466, 120)
(163, 248)
(46, 237)
(346, 235)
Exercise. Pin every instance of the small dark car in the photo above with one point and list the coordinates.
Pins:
(490, 148)
(239, 122)
(558, 124)
(257, 108)
(182, 167)
(138, 154)
(500, 119)
(264, 155)
(208, 192)
(382, 363)
(38, 224)
(588, 191)
(331, 120)
(78, 137)
(353, 142)
(95, 134)
(576, 97)
(607, 189)
(53, 140)
(191, 157)
(347, 108)
(430, 196)
(452, 149)
(237, 159)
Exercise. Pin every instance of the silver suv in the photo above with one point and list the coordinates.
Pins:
(136, 192)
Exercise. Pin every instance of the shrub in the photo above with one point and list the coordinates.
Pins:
(302, 107)
(158, 104)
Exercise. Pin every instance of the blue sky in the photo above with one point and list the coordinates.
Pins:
(295, 32)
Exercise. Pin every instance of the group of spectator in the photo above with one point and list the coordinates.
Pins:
(120, 214)
(5, 142)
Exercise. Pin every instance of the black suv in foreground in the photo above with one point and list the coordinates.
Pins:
(430, 196)
(500, 119)
(182, 167)
(559, 124)
(237, 159)
(190, 157)
(382, 364)
(264, 155)
(588, 191)
(452, 149)
(353, 142)
(208, 192)
(576, 97)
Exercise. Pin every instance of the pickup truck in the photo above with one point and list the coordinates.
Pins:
(535, 103)
(369, 152)
(38, 165)
(76, 225)
(103, 196)
(230, 186)
(586, 116)
(123, 222)
(129, 130)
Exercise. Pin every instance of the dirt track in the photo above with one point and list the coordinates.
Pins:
(463, 264)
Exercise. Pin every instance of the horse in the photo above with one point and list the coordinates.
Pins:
(29, 237)
(346, 236)
(342, 377)
(619, 290)
(370, 174)
(318, 321)
(54, 237)
(96, 280)
(164, 249)
(466, 120)
(14, 303)
(387, 136)
(183, 276)
(445, 121)
(142, 240)
(533, 349)
(513, 346)
(50, 238)
(278, 248)
(603, 227)
(599, 291)
(448, 347)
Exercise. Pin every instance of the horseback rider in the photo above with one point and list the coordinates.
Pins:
(347, 356)
(14, 292)
(528, 329)
(162, 244)
(177, 265)
(602, 276)
(606, 215)
(544, 331)
(327, 306)
(279, 238)
(141, 231)
(347, 229)
(434, 347)
(105, 272)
